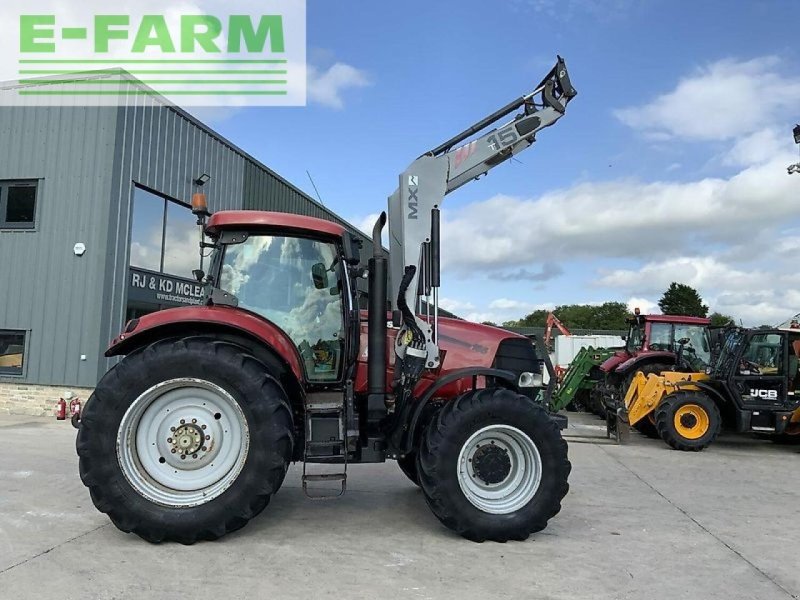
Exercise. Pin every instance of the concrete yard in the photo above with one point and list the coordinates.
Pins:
(640, 521)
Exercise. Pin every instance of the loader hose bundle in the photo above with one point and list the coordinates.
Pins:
(413, 362)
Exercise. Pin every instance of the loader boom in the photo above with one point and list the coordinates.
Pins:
(414, 207)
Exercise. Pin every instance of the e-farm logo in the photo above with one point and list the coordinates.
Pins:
(195, 59)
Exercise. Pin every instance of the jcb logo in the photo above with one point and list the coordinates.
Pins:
(764, 394)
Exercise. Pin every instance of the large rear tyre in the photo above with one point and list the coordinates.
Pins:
(688, 420)
(408, 465)
(185, 440)
(493, 466)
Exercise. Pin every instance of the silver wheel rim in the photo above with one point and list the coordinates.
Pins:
(524, 474)
(183, 442)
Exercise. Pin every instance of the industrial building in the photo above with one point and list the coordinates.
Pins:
(96, 227)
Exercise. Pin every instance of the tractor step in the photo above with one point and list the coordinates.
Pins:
(322, 494)
(327, 437)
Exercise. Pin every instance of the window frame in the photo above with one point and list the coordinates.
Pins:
(346, 299)
(5, 184)
(9, 371)
(164, 213)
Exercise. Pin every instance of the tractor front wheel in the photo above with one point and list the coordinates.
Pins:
(493, 466)
(688, 420)
(185, 440)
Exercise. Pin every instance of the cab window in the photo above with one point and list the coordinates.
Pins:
(660, 336)
(635, 341)
(763, 355)
(697, 349)
(294, 283)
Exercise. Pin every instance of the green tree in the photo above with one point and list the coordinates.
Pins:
(609, 315)
(718, 319)
(489, 323)
(682, 299)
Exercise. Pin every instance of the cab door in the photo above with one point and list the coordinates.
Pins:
(760, 379)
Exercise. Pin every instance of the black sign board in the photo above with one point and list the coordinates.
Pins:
(154, 288)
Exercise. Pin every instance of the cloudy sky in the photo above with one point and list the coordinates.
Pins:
(669, 166)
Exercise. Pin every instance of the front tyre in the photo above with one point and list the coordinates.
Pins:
(688, 420)
(493, 466)
(185, 440)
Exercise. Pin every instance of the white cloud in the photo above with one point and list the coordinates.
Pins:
(623, 218)
(757, 148)
(645, 305)
(762, 294)
(720, 101)
(327, 86)
(503, 309)
(456, 306)
(508, 304)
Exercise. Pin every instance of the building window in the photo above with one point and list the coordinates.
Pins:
(12, 350)
(165, 236)
(18, 204)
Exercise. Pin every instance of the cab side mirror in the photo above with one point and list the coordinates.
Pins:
(624, 337)
(319, 274)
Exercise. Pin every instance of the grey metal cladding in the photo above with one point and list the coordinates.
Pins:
(87, 161)
(163, 149)
(44, 288)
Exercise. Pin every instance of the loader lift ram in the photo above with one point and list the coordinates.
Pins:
(189, 436)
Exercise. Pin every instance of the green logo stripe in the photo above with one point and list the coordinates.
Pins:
(162, 72)
(95, 61)
(153, 93)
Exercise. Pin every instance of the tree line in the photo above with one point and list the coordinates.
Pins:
(678, 299)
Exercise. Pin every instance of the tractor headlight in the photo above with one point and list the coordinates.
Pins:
(528, 380)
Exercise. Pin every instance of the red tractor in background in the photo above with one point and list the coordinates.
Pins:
(188, 437)
(651, 346)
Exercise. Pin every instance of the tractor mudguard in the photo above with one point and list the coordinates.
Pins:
(406, 432)
(647, 357)
(191, 320)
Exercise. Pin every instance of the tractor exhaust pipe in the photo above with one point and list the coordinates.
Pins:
(376, 340)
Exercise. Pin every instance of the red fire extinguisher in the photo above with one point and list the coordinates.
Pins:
(75, 409)
(60, 410)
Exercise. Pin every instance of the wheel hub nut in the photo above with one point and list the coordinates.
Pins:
(187, 439)
(491, 463)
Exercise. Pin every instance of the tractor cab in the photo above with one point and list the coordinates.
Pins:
(759, 369)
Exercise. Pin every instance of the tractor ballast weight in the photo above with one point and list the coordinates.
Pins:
(192, 432)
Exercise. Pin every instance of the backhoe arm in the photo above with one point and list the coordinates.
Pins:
(414, 206)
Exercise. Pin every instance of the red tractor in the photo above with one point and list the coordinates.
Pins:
(188, 437)
(651, 346)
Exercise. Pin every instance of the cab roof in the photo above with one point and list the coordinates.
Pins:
(258, 219)
(675, 319)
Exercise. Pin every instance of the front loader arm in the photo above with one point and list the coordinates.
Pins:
(414, 206)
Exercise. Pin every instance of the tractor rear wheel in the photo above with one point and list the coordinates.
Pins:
(493, 466)
(185, 440)
(688, 420)
(408, 465)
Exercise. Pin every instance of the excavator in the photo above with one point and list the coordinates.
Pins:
(192, 432)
